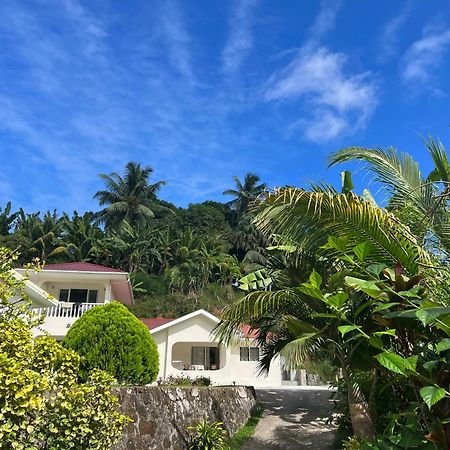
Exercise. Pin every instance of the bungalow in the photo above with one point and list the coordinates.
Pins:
(187, 346)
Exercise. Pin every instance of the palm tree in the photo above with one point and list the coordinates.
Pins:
(291, 321)
(246, 192)
(128, 198)
(39, 238)
(418, 201)
(80, 235)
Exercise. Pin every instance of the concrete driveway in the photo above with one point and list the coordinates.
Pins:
(294, 418)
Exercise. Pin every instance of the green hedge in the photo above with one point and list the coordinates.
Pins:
(109, 337)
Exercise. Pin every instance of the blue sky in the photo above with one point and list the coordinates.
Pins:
(203, 90)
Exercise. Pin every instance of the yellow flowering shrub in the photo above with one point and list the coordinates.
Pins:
(42, 403)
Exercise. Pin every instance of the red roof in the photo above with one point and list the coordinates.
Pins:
(248, 332)
(81, 267)
(156, 322)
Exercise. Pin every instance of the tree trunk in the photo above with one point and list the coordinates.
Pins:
(361, 418)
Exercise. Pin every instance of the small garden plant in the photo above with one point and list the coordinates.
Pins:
(208, 436)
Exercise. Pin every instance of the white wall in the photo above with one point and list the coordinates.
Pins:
(197, 332)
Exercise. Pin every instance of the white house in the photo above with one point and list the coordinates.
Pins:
(63, 292)
(186, 346)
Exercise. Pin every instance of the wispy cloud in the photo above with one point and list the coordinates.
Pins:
(323, 23)
(390, 34)
(424, 56)
(240, 40)
(177, 38)
(331, 100)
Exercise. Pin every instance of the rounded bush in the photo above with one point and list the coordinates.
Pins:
(109, 337)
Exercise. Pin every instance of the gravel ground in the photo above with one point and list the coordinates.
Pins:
(294, 418)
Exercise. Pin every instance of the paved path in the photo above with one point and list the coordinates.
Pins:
(294, 418)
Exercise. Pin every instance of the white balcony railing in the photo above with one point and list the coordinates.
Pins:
(65, 309)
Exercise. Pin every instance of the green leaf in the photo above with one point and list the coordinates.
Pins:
(376, 342)
(337, 300)
(443, 345)
(385, 306)
(363, 307)
(411, 362)
(432, 394)
(411, 293)
(368, 286)
(375, 269)
(315, 279)
(395, 363)
(427, 316)
(344, 329)
(325, 316)
(312, 291)
(390, 332)
(337, 243)
(431, 365)
(363, 250)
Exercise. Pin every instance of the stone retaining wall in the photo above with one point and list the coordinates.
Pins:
(162, 414)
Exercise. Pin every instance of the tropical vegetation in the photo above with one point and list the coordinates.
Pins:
(43, 405)
(324, 274)
(172, 253)
(368, 285)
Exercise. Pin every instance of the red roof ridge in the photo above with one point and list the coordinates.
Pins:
(81, 266)
(155, 322)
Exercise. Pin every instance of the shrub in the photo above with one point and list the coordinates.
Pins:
(109, 337)
(208, 436)
(42, 404)
(184, 380)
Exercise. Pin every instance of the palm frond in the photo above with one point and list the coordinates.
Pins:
(309, 218)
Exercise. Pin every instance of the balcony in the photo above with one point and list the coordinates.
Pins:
(65, 310)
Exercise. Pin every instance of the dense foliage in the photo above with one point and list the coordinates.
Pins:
(367, 285)
(109, 337)
(42, 403)
(181, 250)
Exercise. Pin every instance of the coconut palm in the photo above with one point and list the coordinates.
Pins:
(128, 198)
(245, 193)
(418, 201)
(80, 235)
(39, 237)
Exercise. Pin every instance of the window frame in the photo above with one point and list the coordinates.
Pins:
(69, 290)
(247, 350)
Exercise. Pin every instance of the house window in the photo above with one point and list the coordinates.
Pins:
(78, 295)
(208, 357)
(249, 353)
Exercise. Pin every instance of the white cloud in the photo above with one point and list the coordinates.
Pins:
(424, 57)
(324, 22)
(240, 40)
(323, 127)
(390, 35)
(177, 38)
(319, 79)
(331, 100)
